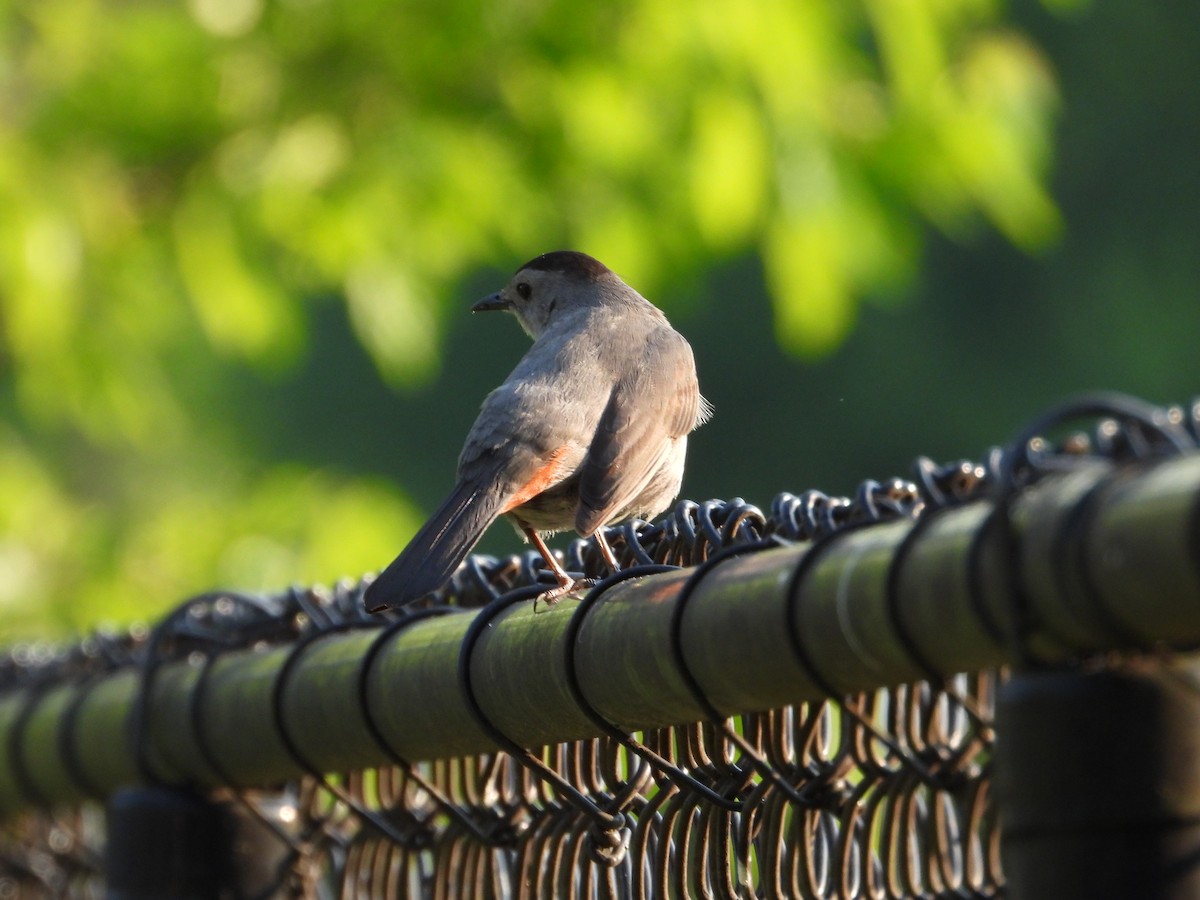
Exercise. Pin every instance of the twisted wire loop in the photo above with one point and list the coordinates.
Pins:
(879, 795)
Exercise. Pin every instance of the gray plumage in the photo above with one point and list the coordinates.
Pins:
(589, 429)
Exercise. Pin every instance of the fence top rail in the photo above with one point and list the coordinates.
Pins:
(1048, 551)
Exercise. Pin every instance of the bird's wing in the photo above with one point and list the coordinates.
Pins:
(529, 437)
(656, 402)
(498, 480)
(519, 446)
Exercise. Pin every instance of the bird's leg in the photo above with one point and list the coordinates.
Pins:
(566, 584)
(560, 573)
(607, 551)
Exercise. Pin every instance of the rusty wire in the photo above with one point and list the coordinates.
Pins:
(881, 795)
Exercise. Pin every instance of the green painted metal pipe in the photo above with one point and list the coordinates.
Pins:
(1105, 559)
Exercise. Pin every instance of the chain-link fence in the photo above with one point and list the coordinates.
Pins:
(797, 703)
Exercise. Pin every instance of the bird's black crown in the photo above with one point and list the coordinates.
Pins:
(569, 262)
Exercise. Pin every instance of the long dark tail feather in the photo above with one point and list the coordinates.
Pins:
(435, 552)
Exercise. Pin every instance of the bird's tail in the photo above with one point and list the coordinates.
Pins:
(435, 552)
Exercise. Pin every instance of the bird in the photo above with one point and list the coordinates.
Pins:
(589, 429)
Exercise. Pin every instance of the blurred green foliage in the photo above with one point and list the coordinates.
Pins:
(200, 203)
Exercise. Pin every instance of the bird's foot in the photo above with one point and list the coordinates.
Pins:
(552, 596)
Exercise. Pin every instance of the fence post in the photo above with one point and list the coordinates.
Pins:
(1098, 782)
(164, 842)
(169, 842)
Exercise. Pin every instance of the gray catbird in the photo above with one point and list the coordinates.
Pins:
(589, 429)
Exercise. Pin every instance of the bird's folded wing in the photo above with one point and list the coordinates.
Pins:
(654, 405)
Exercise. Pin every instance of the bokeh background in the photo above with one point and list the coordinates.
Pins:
(239, 238)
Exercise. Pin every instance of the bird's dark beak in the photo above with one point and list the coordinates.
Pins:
(491, 302)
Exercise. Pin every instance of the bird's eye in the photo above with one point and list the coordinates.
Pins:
(523, 290)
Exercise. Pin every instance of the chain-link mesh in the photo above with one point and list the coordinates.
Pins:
(882, 795)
